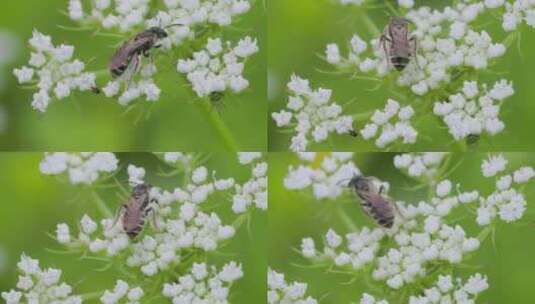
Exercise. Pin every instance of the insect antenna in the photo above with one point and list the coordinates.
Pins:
(175, 24)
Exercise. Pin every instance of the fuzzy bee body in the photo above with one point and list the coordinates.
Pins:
(398, 45)
(373, 203)
(135, 210)
(129, 53)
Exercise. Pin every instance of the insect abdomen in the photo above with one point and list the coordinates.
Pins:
(399, 62)
(382, 213)
(118, 71)
(135, 231)
(133, 221)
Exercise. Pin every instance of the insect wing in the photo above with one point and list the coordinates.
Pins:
(121, 59)
(377, 207)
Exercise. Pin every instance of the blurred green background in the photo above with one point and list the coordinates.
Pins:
(88, 122)
(33, 204)
(299, 31)
(294, 215)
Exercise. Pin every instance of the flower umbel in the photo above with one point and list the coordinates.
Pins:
(219, 67)
(315, 116)
(82, 168)
(282, 292)
(36, 285)
(54, 72)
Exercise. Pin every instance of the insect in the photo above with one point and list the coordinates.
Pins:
(130, 52)
(396, 43)
(136, 209)
(472, 139)
(373, 202)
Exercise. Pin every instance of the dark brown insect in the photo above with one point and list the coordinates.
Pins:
(135, 210)
(398, 46)
(96, 90)
(373, 202)
(130, 52)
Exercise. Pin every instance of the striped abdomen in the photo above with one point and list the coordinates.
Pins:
(379, 209)
(133, 220)
(400, 63)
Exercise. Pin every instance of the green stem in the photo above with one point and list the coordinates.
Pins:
(91, 296)
(369, 23)
(102, 206)
(346, 219)
(219, 125)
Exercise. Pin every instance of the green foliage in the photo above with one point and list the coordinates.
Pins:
(33, 204)
(308, 26)
(293, 215)
(178, 121)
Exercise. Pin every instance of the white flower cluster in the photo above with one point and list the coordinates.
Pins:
(246, 158)
(204, 284)
(219, 67)
(474, 111)
(387, 131)
(446, 43)
(124, 15)
(135, 175)
(327, 181)
(192, 229)
(191, 13)
(449, 290)
(369, 299)
(421, 237)
(113, 239)
(142, 85)
(184, 159)
(505, 201)
(419, 164)
(55, 70)
(314, 114)
(361, 248)
(82, 168)
(39, 286)
(402, 3)
(282, 292)
(424, 237)
(179, 225)
(254, 191)
(515, 12)
(122, 293)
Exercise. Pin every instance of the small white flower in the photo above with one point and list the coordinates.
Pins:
(443, 188)
(135, 175)
(40, 285)
(281, 291)
(312, 113)
(204, 285)
(523, 175)
(219, 67)
(63, 234)
(390, 131)
(82, 168)
(474, 112)
(57, 73)
(493, 165)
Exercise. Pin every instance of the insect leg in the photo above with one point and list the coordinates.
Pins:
(135, 66)
(382, 43)
(398, 210)
(118, 214)
(381, 189)
(151, 210)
